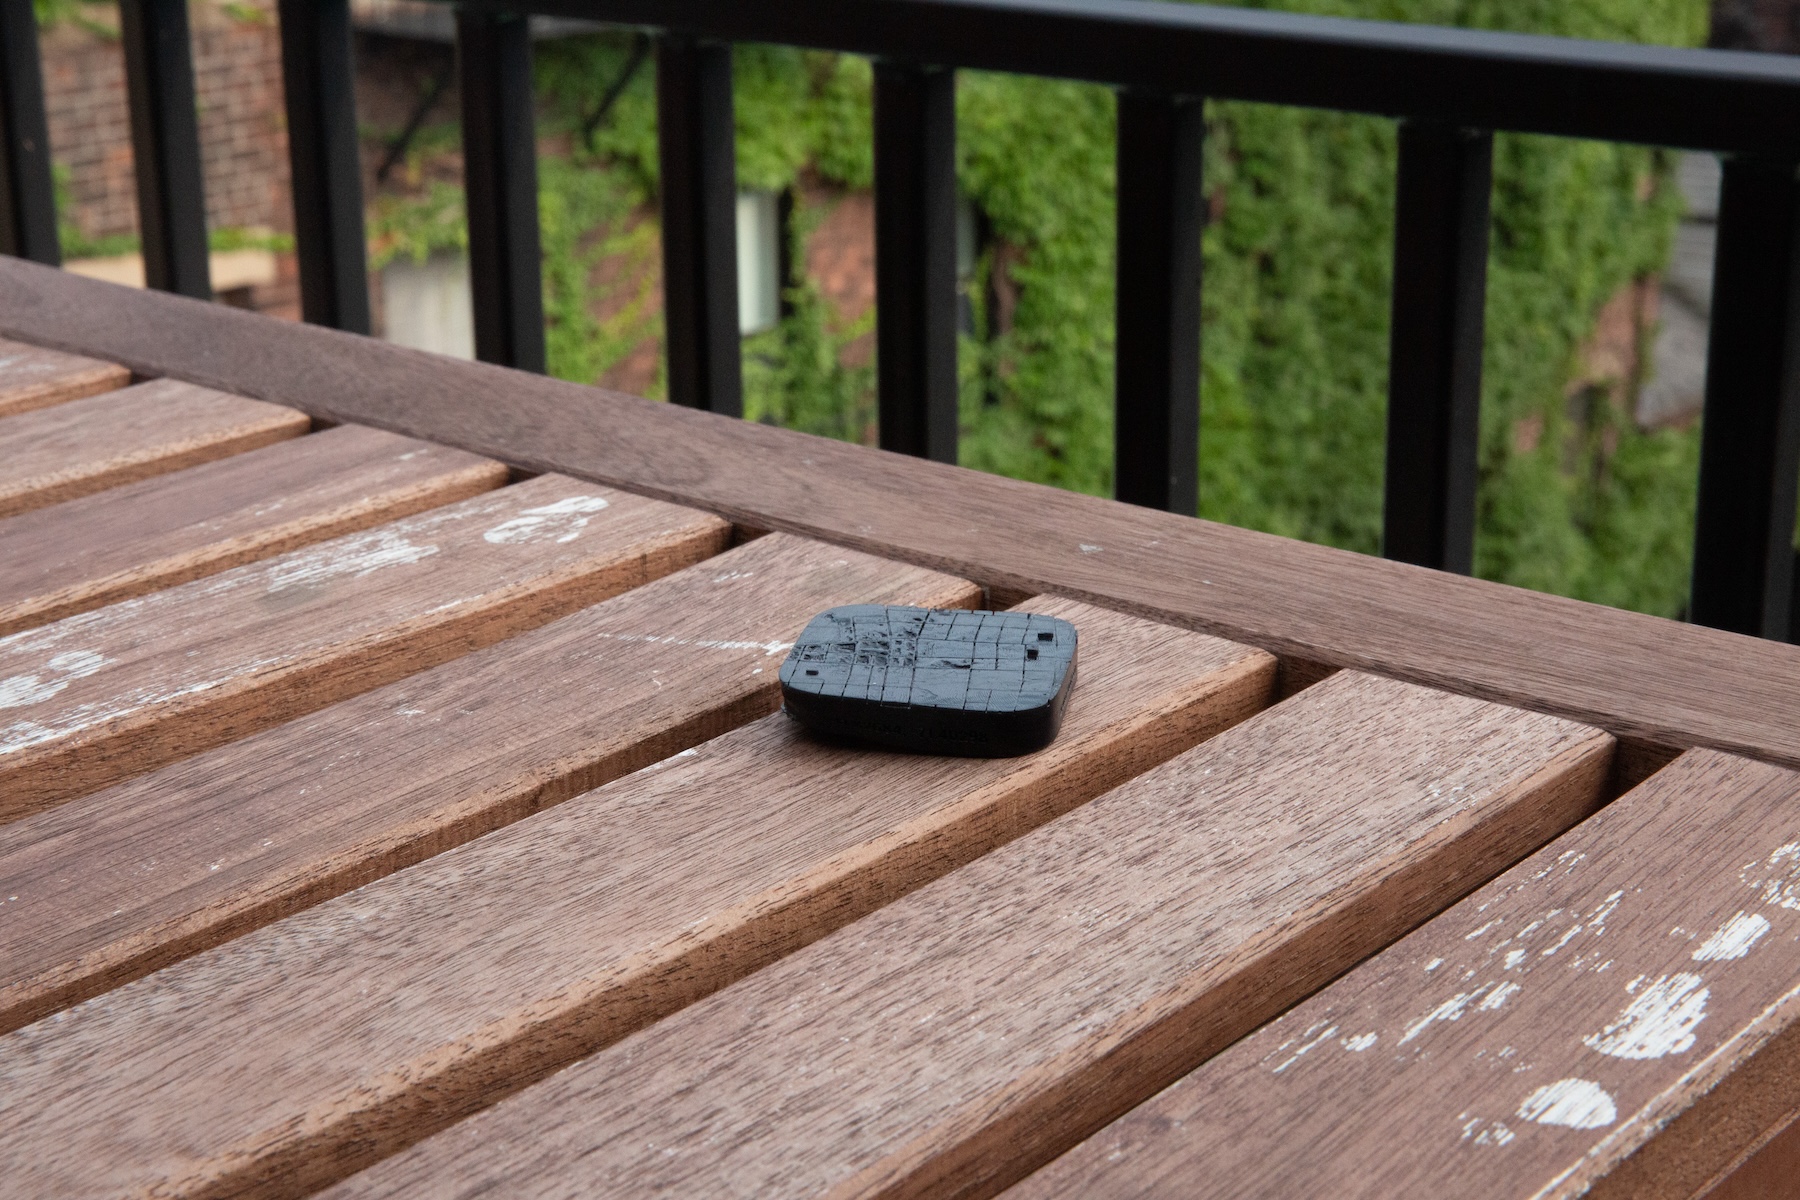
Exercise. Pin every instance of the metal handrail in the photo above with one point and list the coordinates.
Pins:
(1449, 88)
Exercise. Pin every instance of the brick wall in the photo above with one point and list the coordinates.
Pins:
(237, 78)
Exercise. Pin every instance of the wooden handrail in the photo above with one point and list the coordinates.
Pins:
(1657, 684)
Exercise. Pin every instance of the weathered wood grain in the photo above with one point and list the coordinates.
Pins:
(261, 828)
(83, 446)
(32, 377)
(963, 1034)
(305, 1049)
(1642, 970)
(156, 533)
(1645, 679)
(105, 695)
(1769, 1171)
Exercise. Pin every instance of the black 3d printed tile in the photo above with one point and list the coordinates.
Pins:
(936, 681)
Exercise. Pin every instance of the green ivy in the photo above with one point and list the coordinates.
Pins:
(1297, 258)
(88, 15)
(795, 374)
(416, 226)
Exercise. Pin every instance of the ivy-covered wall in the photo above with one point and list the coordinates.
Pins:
(1574, 499)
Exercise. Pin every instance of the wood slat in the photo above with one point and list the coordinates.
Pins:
(102, 696)
(1769, 1170)
(159, 532)
(32, 377)
(305, 1049)
(1645, 679)
(261, 828)
(1641, 971)
(82, 446)
(962, 1035)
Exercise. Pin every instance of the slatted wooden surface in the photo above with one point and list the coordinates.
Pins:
(955, 1038)
(1643, 969)
(104, 695)
(145, 536)
(1657, 683)
(81, 446)
(33, 377)
(370, 823)
(130, 878)
(418, 997)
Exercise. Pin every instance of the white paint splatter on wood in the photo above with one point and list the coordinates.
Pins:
(1733, 939)
(1486, 1133)
(17, 691)
(1312, 1038)
(1449, 1010)
(1571, 1103)
(561, 521)
(1778, 879)
(355, 556)
(1498, 997)
(1568, 860)
(1659, 1020)
(22, 735)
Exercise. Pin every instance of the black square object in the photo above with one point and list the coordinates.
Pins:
(936, 681)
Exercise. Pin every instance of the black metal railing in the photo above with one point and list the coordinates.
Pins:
(1449, 88)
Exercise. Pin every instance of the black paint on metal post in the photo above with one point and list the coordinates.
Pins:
(1434, 347)
(319, 80)
(165, 144)
(27, 195)
(1156, 373)
(1750, 433)
(915, 259)
(697, 153)
(500, 178)
(1793, 631)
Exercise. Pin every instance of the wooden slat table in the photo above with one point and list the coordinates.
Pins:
(33, 377)
(81, 446)
(142, 537)
(393, 803)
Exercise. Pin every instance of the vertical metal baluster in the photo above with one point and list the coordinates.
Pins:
(1434, 347)
(27, 195)
(500, 180)
(697, 151)
(319, 80)
(915, 259)
(1750, 434)
(1793, 629)
(1156, 372)
(165, 143)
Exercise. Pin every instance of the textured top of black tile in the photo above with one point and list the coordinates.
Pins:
(942, 659)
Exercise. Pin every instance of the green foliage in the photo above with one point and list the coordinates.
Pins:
(583, 220)
(794, 110)
(244, 14)
(1036, 155)
(1297, 255)
(234, 238)
(1297, 268)
(89, 15)
(416, 226)
(795, 374)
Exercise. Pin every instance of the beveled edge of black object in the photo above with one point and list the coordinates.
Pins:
(925, 729)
